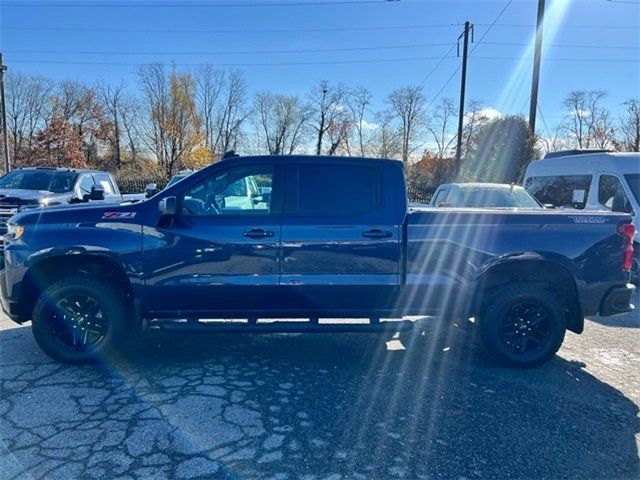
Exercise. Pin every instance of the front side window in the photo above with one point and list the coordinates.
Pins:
(86, 183)
(440, 197)
(105, 182)
(232, 192)
(569, 191)
(343, 190)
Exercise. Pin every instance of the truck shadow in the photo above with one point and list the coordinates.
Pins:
(354, 405)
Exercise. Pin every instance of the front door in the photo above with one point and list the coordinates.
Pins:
(221, 252)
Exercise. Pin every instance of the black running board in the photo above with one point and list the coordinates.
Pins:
(177, 326)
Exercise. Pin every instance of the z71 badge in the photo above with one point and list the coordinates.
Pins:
(118, 215)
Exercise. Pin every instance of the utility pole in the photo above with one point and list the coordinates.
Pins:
(468, 28)
(536, 68)
(5, 135)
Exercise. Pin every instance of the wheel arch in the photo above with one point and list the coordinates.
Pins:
(550, 274)
(43, 273)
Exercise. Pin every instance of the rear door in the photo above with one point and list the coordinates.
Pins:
(340, 238)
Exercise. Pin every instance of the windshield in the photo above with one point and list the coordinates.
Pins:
(497, 198)
(55, 181)
(633, 179)
(177, 177)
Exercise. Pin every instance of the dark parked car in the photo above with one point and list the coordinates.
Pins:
(321, 237)
(42, 187)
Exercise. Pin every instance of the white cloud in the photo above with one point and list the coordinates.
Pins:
(369, 125)
(490, 113)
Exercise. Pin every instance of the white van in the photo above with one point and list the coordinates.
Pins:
(591, 180)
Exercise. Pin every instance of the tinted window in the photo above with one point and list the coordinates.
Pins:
(633, 180)
(561, 191)
(105, 182)
(608, 187)
(338, 190)
(232, 192)
(49, 180)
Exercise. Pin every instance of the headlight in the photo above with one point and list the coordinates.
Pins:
(14, 230)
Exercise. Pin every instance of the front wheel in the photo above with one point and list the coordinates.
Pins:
(522, 325)
(79, 320)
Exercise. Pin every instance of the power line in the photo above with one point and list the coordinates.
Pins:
(328, 62)
(291, 30)
(564, 45)
(495, 21)
(258, 64)
(192, 4)
(228, 52)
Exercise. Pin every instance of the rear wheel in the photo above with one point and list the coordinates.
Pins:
(522, 325)
(79, 320)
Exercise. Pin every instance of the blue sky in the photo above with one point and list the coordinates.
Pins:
(87, 32)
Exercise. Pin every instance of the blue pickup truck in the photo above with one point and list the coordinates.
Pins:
(296, 237)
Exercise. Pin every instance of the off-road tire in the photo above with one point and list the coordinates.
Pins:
(495, 318)
(112, 308)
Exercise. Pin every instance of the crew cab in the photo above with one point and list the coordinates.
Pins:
(320, 238)
(44, 186)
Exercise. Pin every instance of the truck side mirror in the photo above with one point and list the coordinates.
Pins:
(97, 193)
(168, 207)
(620, 204)
(150, 190)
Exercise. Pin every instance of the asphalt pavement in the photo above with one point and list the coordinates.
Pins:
(325, 406)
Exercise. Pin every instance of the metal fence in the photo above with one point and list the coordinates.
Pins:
(420, 193)
(137, 185)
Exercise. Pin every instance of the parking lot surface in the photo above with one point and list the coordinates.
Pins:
(325, 406)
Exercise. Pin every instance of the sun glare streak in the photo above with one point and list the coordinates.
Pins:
(520, 78)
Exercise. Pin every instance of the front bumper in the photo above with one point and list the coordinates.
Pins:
(617, 301)
(9, 306)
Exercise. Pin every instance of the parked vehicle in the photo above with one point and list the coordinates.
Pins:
(590, 180)
(333, 238)
(151, 189)
(483, 195)
(43, 186)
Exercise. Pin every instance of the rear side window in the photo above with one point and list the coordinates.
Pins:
(570, 191)
(338, 190)
(608, 187)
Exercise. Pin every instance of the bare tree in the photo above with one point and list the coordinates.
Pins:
(473, 119)
(113, 98)
(78, 105)
(27, 101)
(210, 82)
(630, 125)
(439, 127)
(281, 119)
(172, 123)
(131, 122)
(327, 107)
(231, 115)
(587, 120)
(387, 138)
(359, 103)
(408, 105)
